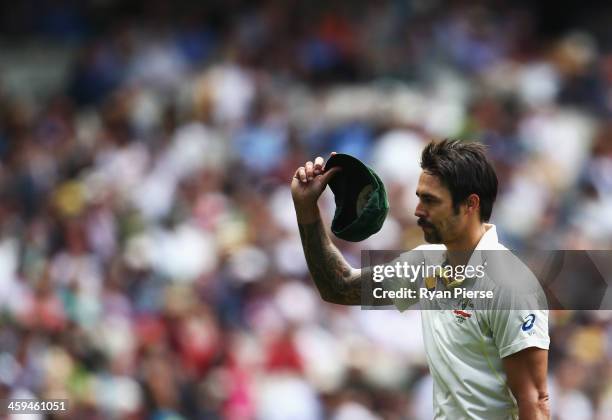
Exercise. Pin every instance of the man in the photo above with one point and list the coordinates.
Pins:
(493, 365)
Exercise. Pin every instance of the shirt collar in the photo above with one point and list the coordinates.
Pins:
(488, 241)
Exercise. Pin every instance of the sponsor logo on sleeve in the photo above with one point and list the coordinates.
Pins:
(528, 322)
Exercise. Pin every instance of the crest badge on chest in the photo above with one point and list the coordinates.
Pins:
(465, 312)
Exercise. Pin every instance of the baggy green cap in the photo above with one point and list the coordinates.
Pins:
(361, 199)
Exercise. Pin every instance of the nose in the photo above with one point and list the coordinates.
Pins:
(420, 212)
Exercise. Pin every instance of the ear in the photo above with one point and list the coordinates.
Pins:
(472, 203)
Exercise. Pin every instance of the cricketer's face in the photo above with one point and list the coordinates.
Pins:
(436, 216)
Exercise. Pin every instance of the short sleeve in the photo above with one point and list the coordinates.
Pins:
(518, 316)
(515, 330)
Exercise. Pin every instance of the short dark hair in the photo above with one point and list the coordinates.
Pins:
(464, 169)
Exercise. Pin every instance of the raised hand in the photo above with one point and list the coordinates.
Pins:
(309, 182)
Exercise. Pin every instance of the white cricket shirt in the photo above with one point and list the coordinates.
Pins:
(465, 347)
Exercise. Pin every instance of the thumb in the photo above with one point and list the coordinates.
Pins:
(328, 175)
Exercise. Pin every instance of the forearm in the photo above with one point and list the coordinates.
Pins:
(527, 371)
(534, 409)
(335, 279)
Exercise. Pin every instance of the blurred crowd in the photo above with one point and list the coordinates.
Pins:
(150, 262)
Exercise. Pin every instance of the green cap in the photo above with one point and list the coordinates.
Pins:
(361, 199)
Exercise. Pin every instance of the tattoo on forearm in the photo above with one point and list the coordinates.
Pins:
(336, 280)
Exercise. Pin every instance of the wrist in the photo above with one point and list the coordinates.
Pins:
(307, 213)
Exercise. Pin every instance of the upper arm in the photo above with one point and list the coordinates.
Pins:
(515, 330)
(346, 290)
(526, 372)
(393, 284)
(355, 290)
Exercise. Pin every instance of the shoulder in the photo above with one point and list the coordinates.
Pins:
(511, 273)
(499, 247)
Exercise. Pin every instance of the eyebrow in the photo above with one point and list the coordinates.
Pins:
(427, 195)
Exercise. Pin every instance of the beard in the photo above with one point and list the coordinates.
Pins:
(431, 233)
(432, 236)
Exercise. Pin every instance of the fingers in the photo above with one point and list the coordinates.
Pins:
(318, 165)
(301, 174)
(328, 175)
(309, 170)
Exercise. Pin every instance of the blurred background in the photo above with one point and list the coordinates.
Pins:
(150, 262)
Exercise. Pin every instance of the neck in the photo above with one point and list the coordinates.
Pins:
(460, 249)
